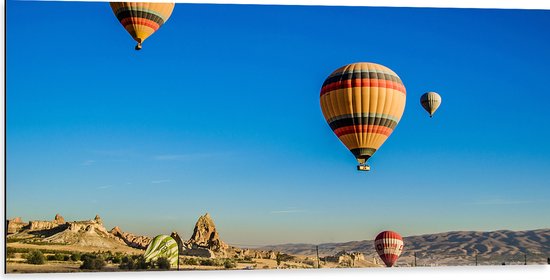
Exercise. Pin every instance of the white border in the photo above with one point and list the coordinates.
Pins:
(503, 4)
(485, 272)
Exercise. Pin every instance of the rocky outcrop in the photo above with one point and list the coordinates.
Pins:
(59, 219)
(46, 225)
(42, 225)
(178, 239)
(206, 239)
(134, 241)
(84, 233)
(206, 236)
(344, 257)
(89, 233)
(15, 225)
(206, 242)
(98, 219)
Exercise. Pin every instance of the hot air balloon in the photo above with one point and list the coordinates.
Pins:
(430, 101)
(388, 245)
(162, 246)
(363, 103)
(141, 19)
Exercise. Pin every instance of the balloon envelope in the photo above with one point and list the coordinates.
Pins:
(388, 245)
(162, 246)
(430, 101)
(142, 19)
(363, 103)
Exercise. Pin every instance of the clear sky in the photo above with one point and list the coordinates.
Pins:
(220, 113)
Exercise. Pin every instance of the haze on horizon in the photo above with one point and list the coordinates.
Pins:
(222, 116)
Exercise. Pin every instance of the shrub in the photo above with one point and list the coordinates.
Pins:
(116, 259)
(134, 263)
(163, 263)
(228, 264)
(11, 250)
(126, 263)
(92, 262)
(190, 261)
(35, 257)
(59, 257)
(209, 262)
(75, 256)
(141, 263)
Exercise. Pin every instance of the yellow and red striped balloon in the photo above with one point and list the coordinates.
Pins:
(389, 245)
(142, 19)
(363, 103)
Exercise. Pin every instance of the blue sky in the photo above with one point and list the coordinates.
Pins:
(220, 113)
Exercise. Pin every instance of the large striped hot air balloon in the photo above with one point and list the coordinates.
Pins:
(430, 101)
(388, 245)
(141, 19)
(162, 246)
(363, 103)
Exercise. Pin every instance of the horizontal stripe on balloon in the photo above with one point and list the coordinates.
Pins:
(342, 84)
(388, 234)
(364, 153)
(140, 21)
(363, 129)
(348, 74)
(353, 121)
(363, 115)
(136, 10)
(143, 15)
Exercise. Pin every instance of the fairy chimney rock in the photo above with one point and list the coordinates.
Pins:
(58, 219)
(205, 235)
(98, 219)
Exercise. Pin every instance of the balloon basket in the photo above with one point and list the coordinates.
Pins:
(363, 167)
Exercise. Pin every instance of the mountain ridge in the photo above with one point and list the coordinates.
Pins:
(459, 246)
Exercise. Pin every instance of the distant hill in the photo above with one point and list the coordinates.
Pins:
(448, 248)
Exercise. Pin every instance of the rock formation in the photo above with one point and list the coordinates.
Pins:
(46, 225)
(83, 233)
(178, 239)
(59, 219)
(205, 241)
(42, 225)
(98, 219)
(134, 241)
(205, 235)
(343, 257)
(15, 225)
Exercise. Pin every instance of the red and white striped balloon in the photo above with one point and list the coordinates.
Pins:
(388, 245)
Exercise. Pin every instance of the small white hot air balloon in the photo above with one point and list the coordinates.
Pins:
(430, 101)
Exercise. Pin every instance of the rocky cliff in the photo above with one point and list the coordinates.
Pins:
(91, 233)
(15, 225)
(134, 241)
